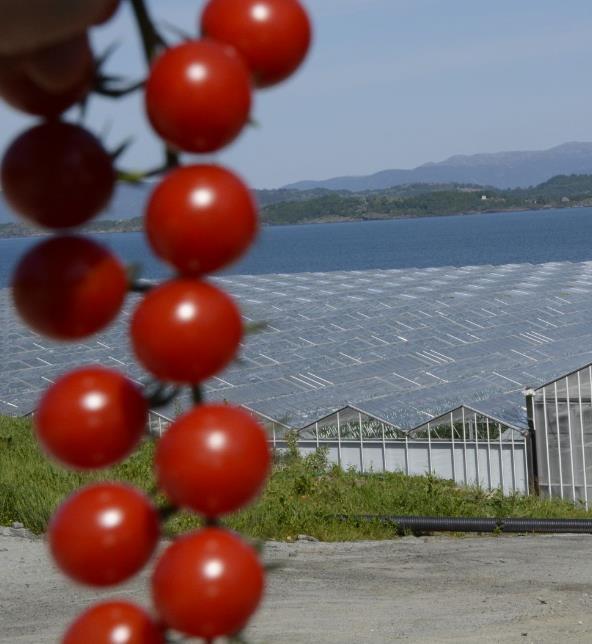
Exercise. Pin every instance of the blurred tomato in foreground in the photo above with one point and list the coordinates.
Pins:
(213, 460)
(273, 36)
(208, 584)
(198, 96)
(90, 418)
(201, 218)
(186, 330)
(103, 534)
(114, 622)
(57, 175)
(68, 287)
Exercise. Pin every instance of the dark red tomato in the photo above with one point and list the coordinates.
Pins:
(91, 418)
(68, 287)
(273, 36)
(103, 534)
(208, 584)
(108, 12)
(186, 331)
(213, 459)
(22, 93)
(201, 218)
(198, 96)
(57, 175)
(114, 622)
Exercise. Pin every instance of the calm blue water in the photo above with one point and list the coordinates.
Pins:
(501, 238)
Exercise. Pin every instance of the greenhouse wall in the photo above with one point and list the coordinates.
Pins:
(157, 423)
(463, 446)
(561, 415)
(500, 468)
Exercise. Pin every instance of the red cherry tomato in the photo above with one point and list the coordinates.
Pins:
(208, 584)
(273, 36)
(186, 331)
(213, 459)
(57, 175)
(91, 418)
(114, 622)
(201, 218)
(68, 287)
(103, 534)
(198, 96)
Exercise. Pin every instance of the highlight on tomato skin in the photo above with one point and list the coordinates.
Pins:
(68, 287)
(273, 36)
(57, 175)
(103, 534)
(201, 218)
(213, 460)
(114, 622)
(198, 96)
(186, 330)
(91, 417)
(208, 583)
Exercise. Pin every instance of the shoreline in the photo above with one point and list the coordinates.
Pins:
(327, 219)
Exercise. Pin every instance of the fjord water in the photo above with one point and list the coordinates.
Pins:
(494, 238)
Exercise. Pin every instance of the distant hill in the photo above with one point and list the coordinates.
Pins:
(421, 200)
(501, 170)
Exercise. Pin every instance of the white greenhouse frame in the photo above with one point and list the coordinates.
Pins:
(560, 414)
(463, 445)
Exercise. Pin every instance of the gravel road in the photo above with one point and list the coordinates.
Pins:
(436, 589)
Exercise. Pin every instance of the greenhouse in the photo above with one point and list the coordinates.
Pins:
(413, 370)
(463, 445)
(561, 416)
(471, 448)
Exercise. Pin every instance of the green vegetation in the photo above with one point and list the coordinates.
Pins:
(302, 497)
(422, 200)
(413, 200)
(31, 486)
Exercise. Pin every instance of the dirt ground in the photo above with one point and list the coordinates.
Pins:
(436, 589)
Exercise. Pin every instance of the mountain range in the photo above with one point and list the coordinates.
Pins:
(500, 170)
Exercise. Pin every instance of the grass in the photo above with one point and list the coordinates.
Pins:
(302, 496)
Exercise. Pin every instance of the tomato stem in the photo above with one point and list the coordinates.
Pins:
(105, 87)
(197, 394)
(172, 159)
(151, 39)
(140, 286)
(151, 42)
(167, 511)
(159, 394)
(137, 176)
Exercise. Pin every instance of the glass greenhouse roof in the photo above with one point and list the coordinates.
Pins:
(405, 345)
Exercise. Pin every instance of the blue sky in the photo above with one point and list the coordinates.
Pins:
(389, 84)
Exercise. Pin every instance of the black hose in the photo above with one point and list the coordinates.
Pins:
(405, 524)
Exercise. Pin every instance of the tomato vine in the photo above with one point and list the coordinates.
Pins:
(215, 458)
